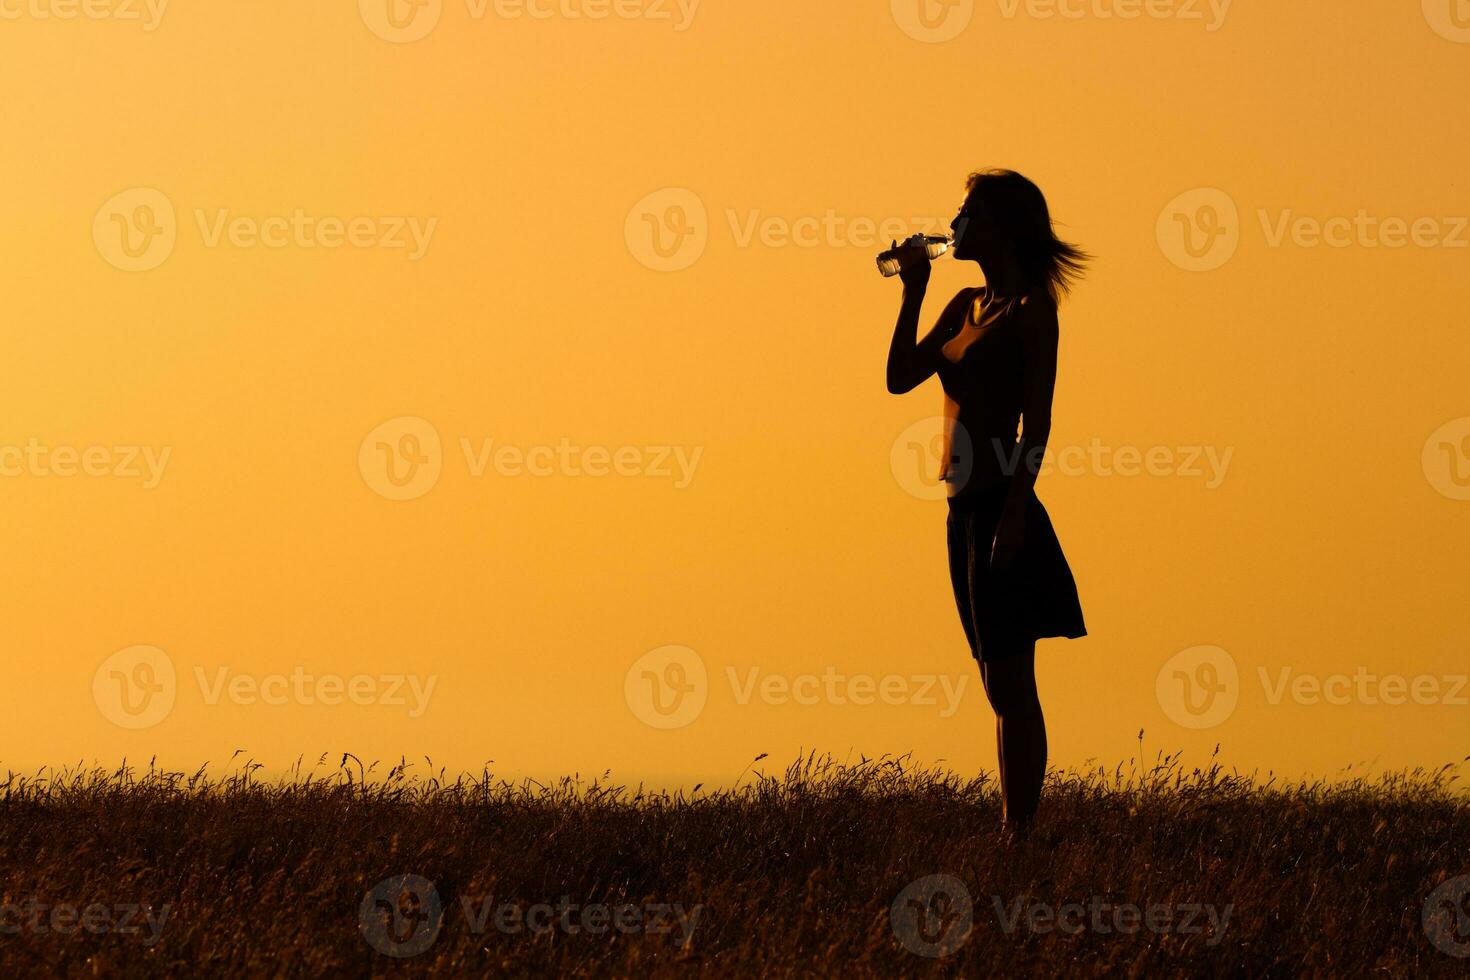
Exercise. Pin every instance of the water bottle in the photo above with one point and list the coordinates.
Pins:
(893, 261)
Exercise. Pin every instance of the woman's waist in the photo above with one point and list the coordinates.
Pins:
(975, 482)
(980, 445)
(976, 464)
(984, 420)
(980, 490)
(985, 446)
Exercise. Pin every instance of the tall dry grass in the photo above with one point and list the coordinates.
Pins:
(789, 873)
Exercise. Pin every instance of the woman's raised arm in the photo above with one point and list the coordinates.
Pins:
(911, 361)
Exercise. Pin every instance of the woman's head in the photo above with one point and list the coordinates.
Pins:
(1005, 218)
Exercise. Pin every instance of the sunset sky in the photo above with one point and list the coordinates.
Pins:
(442, 379)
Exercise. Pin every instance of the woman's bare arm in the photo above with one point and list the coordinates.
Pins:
(911, 363)
(1040, 335)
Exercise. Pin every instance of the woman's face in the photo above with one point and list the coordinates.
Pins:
(973, 229)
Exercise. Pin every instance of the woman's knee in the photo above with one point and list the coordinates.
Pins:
(1010, 684)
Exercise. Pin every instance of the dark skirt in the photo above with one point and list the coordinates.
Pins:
(1005, 610)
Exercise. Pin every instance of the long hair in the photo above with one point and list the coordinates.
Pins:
(1021, 216)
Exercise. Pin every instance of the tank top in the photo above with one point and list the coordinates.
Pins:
(982, 370)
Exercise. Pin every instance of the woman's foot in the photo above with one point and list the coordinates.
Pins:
(1016, 831)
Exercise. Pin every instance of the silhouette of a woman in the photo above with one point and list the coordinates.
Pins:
(995, 350)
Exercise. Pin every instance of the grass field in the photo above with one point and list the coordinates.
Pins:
(872, 868)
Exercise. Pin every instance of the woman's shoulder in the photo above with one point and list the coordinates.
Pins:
(1037, 309)
(962, 299)
(1037, 322)
(957, 310)
(1038, 301)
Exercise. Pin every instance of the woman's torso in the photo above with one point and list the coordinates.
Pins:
(982, 371)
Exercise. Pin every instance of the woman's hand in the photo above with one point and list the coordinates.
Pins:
(1010, 535)
(914, 265)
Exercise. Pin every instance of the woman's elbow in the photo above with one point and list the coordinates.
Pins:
(1036, 430)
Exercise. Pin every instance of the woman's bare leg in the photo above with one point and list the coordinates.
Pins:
(1020, 731)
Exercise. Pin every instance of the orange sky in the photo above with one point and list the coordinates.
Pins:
(617, 460)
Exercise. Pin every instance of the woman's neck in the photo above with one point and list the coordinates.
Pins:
(1002, 277)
